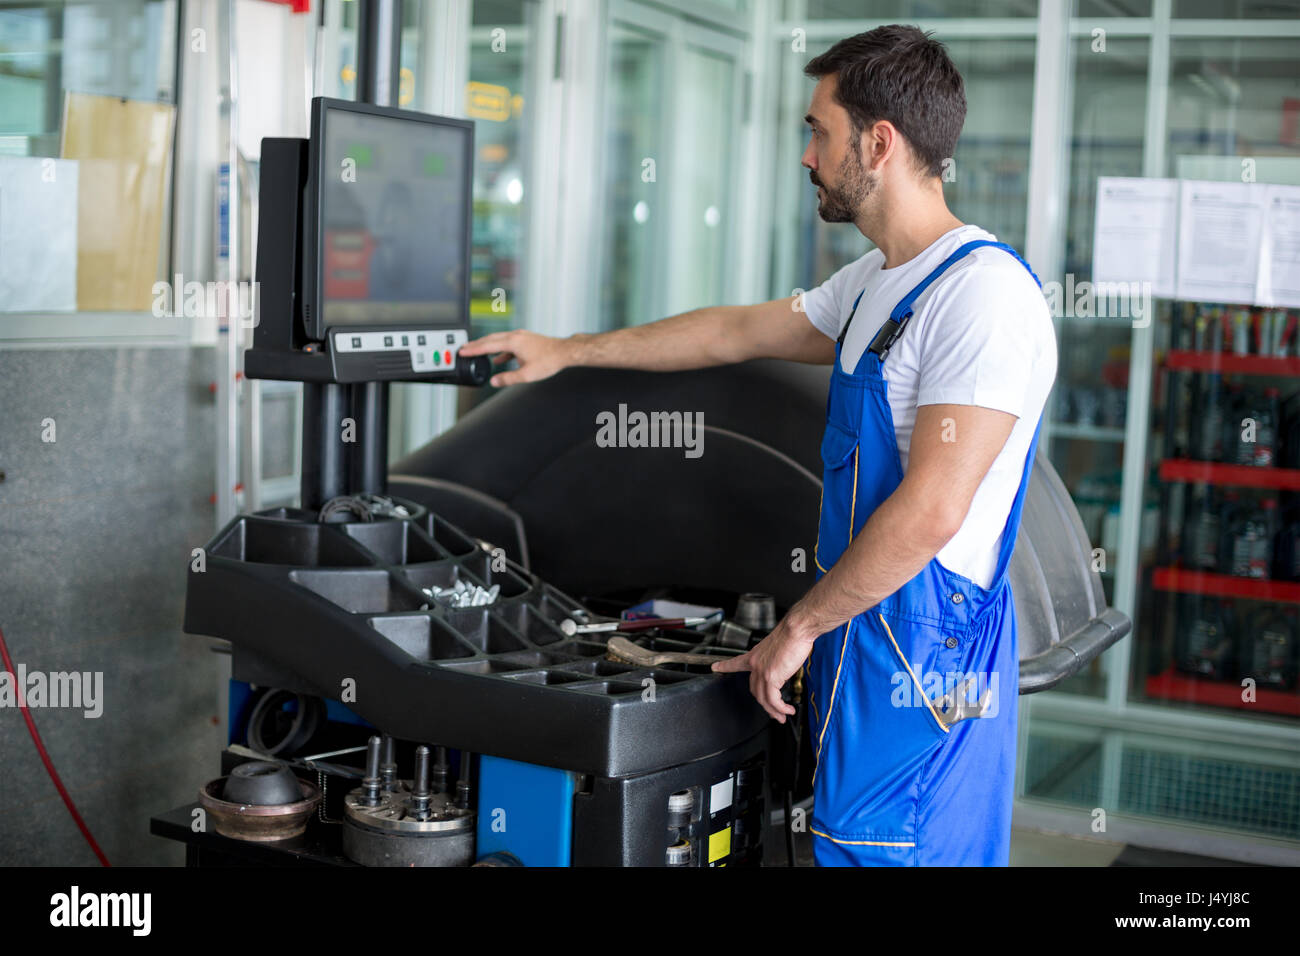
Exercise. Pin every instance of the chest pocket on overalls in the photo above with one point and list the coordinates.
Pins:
(839, 474)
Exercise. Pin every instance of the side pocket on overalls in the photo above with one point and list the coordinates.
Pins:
(878, 739)
(839, 495)
(916, 691)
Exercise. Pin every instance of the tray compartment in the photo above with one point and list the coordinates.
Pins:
(422, 637)
(266, 541)
(448, 537)
(525, 619)
(361, 592)
(482, 630)
(393, 541)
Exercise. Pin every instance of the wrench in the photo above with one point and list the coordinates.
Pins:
(957, 705)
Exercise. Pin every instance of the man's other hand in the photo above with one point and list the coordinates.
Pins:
(771, 662)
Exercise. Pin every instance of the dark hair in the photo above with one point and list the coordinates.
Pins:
(900, 74)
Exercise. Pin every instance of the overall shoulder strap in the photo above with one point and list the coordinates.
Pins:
(893, 326)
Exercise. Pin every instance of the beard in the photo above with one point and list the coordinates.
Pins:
(843, 202)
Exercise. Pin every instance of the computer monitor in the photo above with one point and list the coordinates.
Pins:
(388, 222)
(363, 256)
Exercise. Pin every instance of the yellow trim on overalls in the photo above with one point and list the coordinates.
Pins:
(853, 508)
(821, 500)
(830, 708)
(858, 842)
(848, 627)
(924, 696)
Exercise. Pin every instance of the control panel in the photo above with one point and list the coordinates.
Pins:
(405, 354)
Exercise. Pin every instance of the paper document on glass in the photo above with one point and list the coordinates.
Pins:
(38, 234)
(1219, 228)
(1278, 283)
(1134, 233)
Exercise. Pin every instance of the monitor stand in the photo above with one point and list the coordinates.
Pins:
(344, 441)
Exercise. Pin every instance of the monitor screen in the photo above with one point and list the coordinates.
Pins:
(392, 217)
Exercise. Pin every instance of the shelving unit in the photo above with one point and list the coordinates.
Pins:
(1176, 585)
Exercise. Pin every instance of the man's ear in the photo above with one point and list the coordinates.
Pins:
(880, 142)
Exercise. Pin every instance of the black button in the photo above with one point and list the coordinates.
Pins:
(951, 642)
(405, 340)
(356, 341)
(451, 338)
(388, 340)
(419, 340)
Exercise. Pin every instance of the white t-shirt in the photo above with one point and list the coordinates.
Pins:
(981, 334)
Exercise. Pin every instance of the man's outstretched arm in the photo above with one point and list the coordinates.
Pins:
(719, 335)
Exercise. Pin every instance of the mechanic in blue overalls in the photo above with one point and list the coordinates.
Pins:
(944, 353)
(907, 641)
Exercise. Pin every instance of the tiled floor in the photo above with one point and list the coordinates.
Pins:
(1031, 848)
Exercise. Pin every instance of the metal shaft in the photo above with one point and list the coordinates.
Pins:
(324, 453)
(462, 785)
(388, 764)
(420, 785)
(438, 779)
(368, 468)
(370, 783)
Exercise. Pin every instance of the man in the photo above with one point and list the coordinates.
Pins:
(944, 354)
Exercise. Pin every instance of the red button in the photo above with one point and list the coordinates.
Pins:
(447, 356)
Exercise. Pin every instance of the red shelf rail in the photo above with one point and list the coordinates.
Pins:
(1171, 685)
(1245, 476)
(1185, 581)
(1191, 361)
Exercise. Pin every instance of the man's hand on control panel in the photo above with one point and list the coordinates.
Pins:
(539, 356)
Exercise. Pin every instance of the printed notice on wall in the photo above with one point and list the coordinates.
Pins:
(1134, 238)
(1219, 231)
(1279, 248)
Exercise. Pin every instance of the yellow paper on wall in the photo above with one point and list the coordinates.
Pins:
(124, 148)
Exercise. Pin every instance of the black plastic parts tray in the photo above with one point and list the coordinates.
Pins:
(340, 609)
(524, 469)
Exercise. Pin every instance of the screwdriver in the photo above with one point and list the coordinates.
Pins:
(571, 628)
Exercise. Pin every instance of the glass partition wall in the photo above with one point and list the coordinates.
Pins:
(1146, 88)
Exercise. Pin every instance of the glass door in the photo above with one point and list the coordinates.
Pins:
(672, 108)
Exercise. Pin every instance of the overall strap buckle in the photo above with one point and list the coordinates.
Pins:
(887, 335)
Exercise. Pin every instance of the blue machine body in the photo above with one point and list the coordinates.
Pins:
(525, 810)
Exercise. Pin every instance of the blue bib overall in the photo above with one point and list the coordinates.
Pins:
(895, 784)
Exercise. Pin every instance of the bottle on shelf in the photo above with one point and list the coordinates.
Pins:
(1251, 435)
(1208, 415)
(1247, 542)
(1268, 647)
(1241, 332)
(1203, 646)
(1184, 336)
(1288, 452)
(1286, 549)
(1233, 402)
(1205, 333)
(1201, 528)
